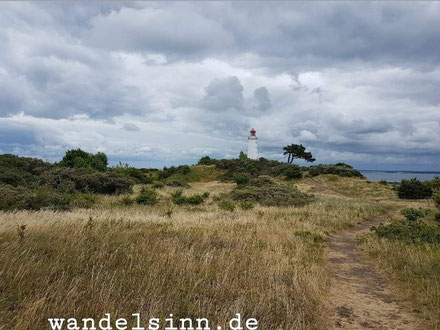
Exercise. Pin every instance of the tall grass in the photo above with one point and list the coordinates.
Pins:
(200, 261)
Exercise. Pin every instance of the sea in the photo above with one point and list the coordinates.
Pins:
(397, 176)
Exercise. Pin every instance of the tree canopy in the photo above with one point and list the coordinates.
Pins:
(80, 158)
(297, 151)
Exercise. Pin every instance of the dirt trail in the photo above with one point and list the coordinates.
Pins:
(360, 298)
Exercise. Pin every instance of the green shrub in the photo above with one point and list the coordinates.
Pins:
(293, 172)
(21, 198)
(136, 174)
(226, 204)
(436, 198)
(437, 217)
(384, 182)
(147, 196)
(340, 169)
(241, 178)
(266, 191)
(246, 205)
(410, 232)
(414, 189)
(413, 214)
(81, 159)
(179, 199)
(86, 180)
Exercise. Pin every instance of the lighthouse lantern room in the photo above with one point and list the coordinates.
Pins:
(252, 145)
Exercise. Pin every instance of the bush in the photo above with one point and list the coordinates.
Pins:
(293, 172)
(340, 169)
(179, 199)
(136, 174)
(414, 189)
(86, 180)
(147, 196)
(241, 178)
(20, 198)
(410, 232)
(226, 204)
(80, 159)
(246, 205)
(413, 214)
(436, 198)
(384, 182)
(266, 191)
(437, 217)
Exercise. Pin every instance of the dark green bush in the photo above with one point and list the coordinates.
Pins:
(147, 196)
(81, 159)
(409, 232)
(293, 172)
(340, 169)
(19, 198)
(436, 198)
(136, 174)
(437, 217)
(413, 214)
(86, 180)
(241, 178)
(414, 189)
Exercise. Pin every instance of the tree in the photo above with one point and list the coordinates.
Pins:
(80, 158)
(242, 156)
(297, 151)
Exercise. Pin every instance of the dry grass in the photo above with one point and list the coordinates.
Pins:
(199, 262)
(346, 186)
(414, 269)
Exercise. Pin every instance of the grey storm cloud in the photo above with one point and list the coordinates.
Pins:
(223, 94)
(348, 79)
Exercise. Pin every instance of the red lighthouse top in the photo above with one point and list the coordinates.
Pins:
(253, 131)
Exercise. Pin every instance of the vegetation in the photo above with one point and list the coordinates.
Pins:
(340, 169)
(147, 196)
(414, 189)
(193, 262)
(293, 172)
(179, 199)
(297, 151)
(255, 247)
(77, 158)
(266, 191)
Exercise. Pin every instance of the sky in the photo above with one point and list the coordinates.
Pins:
(155, 84)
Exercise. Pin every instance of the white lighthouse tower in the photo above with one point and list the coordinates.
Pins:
(252, 145)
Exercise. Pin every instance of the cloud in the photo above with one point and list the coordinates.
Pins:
(262, 99)
(357, 80)
(131, 127)
(223, 95)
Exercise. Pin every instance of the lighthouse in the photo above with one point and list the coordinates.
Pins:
(252, 145)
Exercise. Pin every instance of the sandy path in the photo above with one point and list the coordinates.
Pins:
(360, 298)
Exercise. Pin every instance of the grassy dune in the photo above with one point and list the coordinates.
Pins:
(201, 261)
